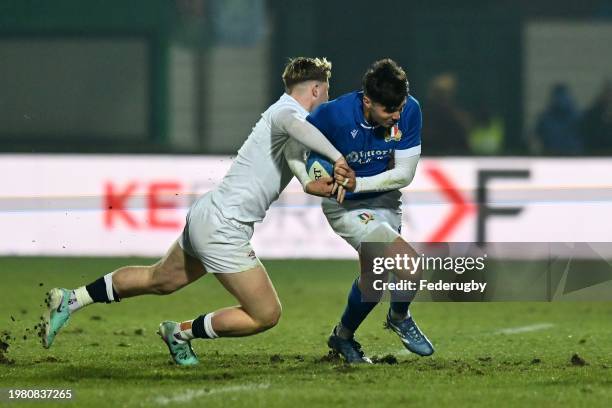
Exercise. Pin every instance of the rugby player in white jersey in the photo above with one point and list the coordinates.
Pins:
(219, 227)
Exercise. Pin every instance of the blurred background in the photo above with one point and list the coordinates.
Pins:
(510, 78)
(116, 115)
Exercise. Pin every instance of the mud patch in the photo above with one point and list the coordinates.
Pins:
(388, 359)
(331, 357)
(76, 330)
(578, 361)
(275, 359)
(49, 359)
(4, 360)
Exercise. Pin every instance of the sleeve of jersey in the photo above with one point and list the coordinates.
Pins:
(321, 118)
(398, 177)
(406, 156)
(295, 154)
(305, 133)
(410, 145)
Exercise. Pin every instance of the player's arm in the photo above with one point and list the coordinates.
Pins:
(396, 178)
(405, 158)
(295, 154)
(310, 136)
(301, 130)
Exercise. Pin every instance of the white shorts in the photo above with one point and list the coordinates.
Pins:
(377, 219)
(221, 244)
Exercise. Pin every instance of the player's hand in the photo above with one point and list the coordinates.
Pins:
(344, 175)
(322, 187)
(341, 193)
(339, 164)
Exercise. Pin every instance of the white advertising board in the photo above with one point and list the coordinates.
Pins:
(103, 205)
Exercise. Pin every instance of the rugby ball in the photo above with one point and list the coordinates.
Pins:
(318, 166)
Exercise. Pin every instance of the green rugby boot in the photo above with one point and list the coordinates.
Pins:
(181, 350)
(56, 315)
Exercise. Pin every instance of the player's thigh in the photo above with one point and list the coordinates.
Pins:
(361, 225)
(221, 244)
(254, 291)
(177, 268)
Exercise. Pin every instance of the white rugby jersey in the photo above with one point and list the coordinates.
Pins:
(260, 172)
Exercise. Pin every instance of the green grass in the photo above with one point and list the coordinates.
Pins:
(105, 363)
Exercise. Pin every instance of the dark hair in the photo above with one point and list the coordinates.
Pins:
(303, 69)
(385, 83)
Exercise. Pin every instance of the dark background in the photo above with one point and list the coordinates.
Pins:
(107, 76)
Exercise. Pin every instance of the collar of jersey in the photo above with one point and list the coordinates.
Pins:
(359, 113)
(292, 101)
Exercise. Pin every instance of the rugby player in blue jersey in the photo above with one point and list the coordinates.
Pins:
(378, 130)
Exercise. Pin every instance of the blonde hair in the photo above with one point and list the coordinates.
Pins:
(303, 69)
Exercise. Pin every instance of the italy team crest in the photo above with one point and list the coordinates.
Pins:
(366, 217)
(393, 133)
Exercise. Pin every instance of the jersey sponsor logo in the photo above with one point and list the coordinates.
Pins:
(366, 217)
(364, 157)
(352, 157)
(393, 133)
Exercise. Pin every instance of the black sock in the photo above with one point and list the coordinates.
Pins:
(98, 293)
(356, 310)
(197, 328)
(400, 307)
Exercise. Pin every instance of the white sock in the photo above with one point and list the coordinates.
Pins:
(183, 331)
(210, 332)
(79, 298)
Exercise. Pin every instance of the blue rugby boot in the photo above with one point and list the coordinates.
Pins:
(56, 315)
(349, 349)
(412, 337)
(180, 350)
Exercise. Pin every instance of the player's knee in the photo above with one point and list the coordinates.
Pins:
(165, 288)
(269, 318)
(381, 233)
(162, 282)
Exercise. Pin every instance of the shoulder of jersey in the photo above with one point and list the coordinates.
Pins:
(411, 103)
(342, 107)
(286, 104)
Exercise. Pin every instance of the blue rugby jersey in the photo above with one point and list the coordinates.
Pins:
(367, 148)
